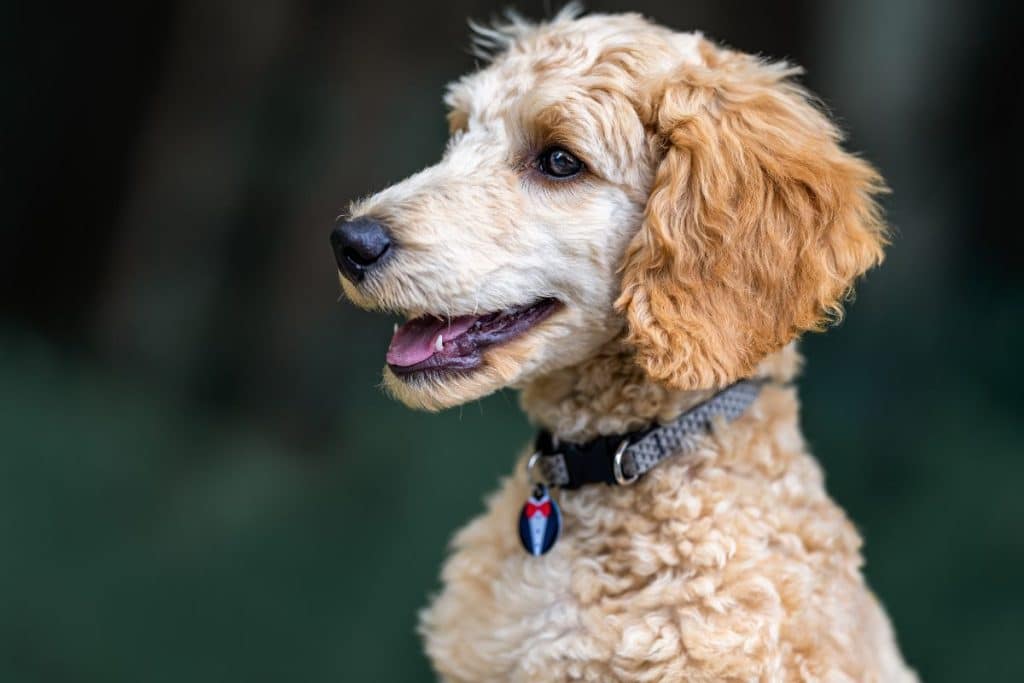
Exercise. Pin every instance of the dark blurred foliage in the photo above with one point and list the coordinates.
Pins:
(199, 478)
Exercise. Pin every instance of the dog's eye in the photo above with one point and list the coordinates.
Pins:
(558, 163)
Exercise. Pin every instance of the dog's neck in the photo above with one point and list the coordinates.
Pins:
(610, 394)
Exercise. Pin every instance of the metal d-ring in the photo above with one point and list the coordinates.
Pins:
(617, 465)
(530, 464)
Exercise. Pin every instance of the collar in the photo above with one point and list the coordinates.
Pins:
(624, 458)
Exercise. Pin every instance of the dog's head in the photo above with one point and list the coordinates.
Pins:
(607, 177)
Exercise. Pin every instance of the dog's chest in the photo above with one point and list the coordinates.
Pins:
(502, 612)
(605, 603)
(679, 578)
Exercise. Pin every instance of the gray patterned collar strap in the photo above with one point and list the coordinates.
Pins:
(623, 458)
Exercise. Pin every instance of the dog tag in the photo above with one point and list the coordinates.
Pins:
(539, 522)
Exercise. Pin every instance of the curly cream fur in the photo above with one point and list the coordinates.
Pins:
(730, 565)
(718, 218)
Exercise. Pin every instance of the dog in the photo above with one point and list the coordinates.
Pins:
(630, 225)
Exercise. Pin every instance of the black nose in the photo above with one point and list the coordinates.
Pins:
(359, 245)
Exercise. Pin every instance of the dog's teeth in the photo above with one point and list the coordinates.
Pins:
(395, 330)
(438, 344)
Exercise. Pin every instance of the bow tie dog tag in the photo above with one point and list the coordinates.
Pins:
(539, 522)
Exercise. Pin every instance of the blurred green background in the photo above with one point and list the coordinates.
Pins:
(199, 478)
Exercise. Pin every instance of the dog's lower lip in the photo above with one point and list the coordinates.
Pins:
(464, 352)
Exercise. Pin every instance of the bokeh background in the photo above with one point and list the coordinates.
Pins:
(199, 478)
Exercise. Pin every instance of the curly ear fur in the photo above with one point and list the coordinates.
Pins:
(756, 227)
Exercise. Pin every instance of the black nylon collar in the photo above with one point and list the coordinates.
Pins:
(590, 462)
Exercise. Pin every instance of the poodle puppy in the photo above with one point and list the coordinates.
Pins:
(628, 220)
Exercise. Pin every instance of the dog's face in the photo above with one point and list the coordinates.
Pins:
(571, 206)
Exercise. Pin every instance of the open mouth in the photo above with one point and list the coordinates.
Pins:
(433, 343)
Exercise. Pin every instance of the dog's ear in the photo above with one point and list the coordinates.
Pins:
(756, 226)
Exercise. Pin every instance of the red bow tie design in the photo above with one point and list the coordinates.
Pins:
(543, 509)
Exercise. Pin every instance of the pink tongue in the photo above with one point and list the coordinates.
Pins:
(416, 340)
